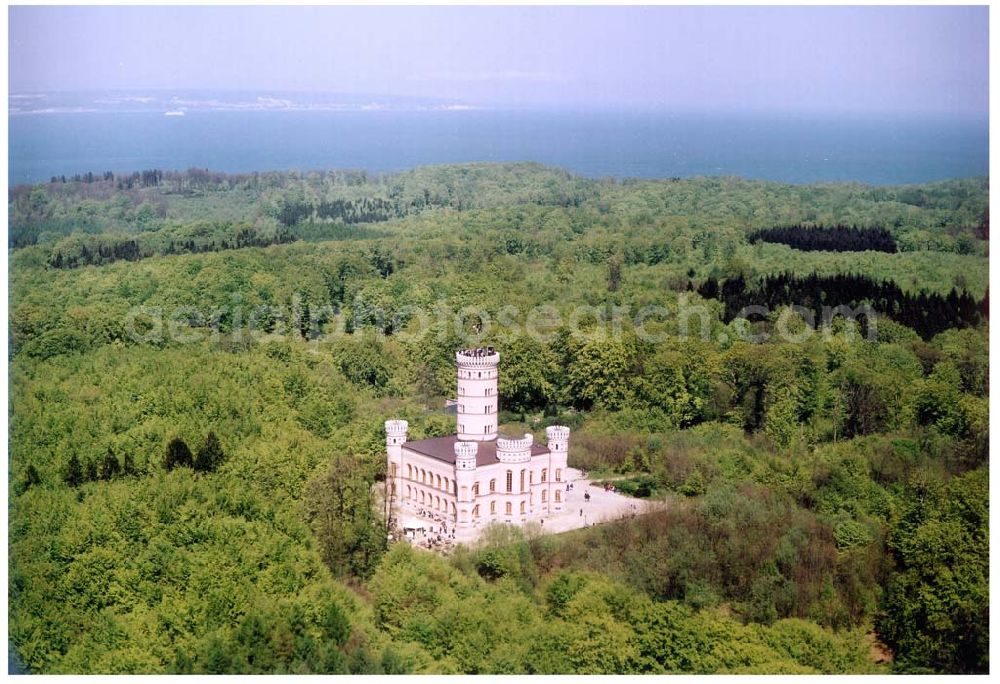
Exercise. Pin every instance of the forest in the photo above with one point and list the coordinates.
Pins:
(828, 238)
(201, 364)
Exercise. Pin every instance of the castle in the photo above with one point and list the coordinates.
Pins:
(476, 476)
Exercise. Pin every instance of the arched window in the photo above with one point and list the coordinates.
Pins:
(422, 496)
(510, 481)
(493, 507)
(493, 485)
(522, 480)
(545, 496)
(522, 508)
(393, 489)
(453, 508)
(545, 474)
(409, 472)
(437, 502)
(423, 475)
(531, 477)
(475, 489)
(407, 491)
(475, 511)
(558, 474)
(447, 487)
(454, 488)
(509, 509)
(558, 495)
(438, 480)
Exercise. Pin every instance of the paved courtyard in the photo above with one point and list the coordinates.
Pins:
(577, 512)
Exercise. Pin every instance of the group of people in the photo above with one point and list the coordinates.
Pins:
(442, 540)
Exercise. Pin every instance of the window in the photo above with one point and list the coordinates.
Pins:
(393, 491)
(493, 485)
(558, 474)
(453, 508)
(465, 493)
(422, 496)
(438, 485)
(447, 485)
(392, 470)
(558, 495)
(531, 477)
(461, 428)
(454, 487)
(493, 507)
(545, 497)
(409, 472)
(545, 474)
(522, 480)
(522, 508)
(475, 489)
(486, 430)
(510, 481)
(475, 511)
(407, 491)
(423, 475)
(509, 508)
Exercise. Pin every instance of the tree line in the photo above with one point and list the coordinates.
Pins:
(98, 250)
(838, 238)
(926, 313)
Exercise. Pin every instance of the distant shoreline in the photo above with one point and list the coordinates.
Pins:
(593, 145)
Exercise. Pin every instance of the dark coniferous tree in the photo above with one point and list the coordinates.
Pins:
(31, 478)
(74, 472)
(210, 454)
(178, 455)
(110, 468)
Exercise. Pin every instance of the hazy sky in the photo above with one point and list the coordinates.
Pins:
(885, 59)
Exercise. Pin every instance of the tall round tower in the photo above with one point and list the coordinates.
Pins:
(395, 436)
(477, 394)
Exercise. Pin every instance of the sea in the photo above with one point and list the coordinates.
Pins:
(619, 144)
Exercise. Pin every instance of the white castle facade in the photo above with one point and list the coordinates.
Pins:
(476, 476)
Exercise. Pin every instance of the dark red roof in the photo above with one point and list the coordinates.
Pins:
(443, 449)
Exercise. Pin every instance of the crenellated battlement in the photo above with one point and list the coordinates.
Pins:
(515, 444)
(396, 427)
(477, 358)
(466, 449)
(557, 433)
(465, 456)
